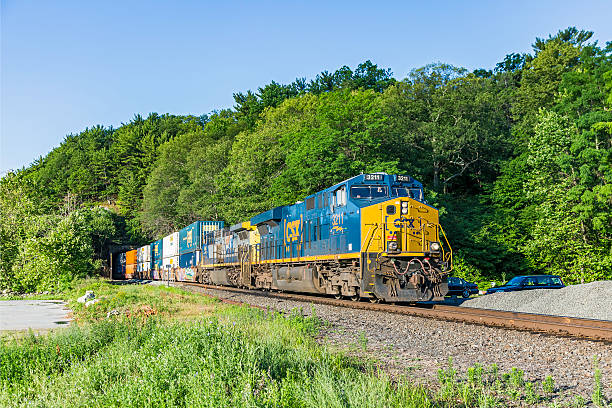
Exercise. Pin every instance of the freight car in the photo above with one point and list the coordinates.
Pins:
(372, 236)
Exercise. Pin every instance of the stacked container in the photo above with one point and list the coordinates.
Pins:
(157, 258)
(119, 266)
(191, 240)
(209, 226)
(130, 264)
(190, 246)
(170, 251)
(143, 256)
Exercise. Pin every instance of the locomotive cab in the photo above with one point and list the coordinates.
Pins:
(405, 254)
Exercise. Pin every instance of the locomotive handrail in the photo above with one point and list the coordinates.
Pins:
(447, 257)
(371, 237)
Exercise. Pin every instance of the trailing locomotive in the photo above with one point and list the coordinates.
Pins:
(371, 236)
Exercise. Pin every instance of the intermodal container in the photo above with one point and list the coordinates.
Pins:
(171, 262)
(190, 259)
(170, 246)
(130, 271)
(157, 254)
(144, 270)
(130, 257)
(119, 265)
(144, 254)
(190, 238)
(209, 226)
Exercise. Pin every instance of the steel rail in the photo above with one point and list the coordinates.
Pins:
(600, 330)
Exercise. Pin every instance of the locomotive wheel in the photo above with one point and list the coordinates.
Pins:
(338, 296)
(466, 294)
(355, 298)
(374, 300)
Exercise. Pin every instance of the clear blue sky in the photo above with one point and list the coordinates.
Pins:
(68, 65)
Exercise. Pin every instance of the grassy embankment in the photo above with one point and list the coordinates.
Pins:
(166, 347)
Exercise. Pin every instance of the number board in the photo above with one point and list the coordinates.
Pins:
(373, 177)
(406, 179)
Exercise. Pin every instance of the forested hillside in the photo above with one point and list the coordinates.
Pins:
(518, 158)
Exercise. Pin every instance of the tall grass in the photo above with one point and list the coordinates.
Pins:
(225, 356)
(236, 357)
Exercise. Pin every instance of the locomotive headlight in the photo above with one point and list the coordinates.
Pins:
(434, 246)
(405, 204)
(392, 246)
(404, 207)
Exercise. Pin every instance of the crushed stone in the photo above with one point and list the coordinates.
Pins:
(589, 301)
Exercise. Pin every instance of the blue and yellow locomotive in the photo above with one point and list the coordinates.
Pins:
(371, 236)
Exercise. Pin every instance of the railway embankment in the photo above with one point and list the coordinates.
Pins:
(420, 347)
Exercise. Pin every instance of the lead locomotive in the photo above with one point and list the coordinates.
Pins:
(371, 236)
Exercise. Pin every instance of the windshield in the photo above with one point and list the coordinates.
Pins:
(368, 191)
(515, 281)
(407, 192)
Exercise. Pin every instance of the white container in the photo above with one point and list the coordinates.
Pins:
(144, 266)
(171, 262)
(144, 254)
(170, 246)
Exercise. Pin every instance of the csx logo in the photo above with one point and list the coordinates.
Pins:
(399, 221)
(292, 230)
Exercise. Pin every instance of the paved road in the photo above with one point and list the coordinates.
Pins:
(32, 314)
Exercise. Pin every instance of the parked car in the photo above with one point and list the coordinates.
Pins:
(461, 287)
(529, 282)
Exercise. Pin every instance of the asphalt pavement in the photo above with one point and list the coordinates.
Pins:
(33, 314)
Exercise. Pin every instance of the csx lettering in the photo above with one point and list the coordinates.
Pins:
(293, 231)
(398, 222)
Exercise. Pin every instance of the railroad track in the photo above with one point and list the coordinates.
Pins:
(600, 330)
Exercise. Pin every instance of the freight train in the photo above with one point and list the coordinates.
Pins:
(372, 236)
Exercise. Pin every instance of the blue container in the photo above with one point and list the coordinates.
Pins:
(209, 226)
(119, 266)
(189, 259)
(190, 238)
(157, 254)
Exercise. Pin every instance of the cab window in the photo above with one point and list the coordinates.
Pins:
(369, 191)
(415, 193)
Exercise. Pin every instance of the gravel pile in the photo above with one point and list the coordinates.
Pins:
(418, 347)
(590, 301)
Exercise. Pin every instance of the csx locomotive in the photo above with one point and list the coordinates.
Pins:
(371, 236)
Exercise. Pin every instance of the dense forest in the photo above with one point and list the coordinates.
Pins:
(517, 157)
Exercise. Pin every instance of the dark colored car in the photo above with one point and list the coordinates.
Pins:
(529, 282)
(461, 287)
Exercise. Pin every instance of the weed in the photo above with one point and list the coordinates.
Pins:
(448, 379)
(579, 401)
(493, 373)
(363, 340)
(597, 396)
(516, 378)
(531, 396)
(475, 376)
(548, 385)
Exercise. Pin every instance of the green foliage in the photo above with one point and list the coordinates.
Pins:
(307, 144)
(43, 251)
(451, 127)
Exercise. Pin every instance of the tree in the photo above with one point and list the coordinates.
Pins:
(542, 75)
(452, 126)
(303, 146)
